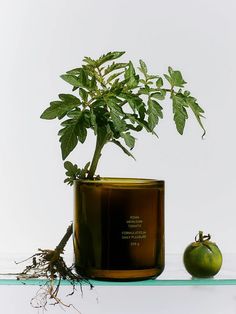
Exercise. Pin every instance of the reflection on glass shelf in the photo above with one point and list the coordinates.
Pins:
(173, 275)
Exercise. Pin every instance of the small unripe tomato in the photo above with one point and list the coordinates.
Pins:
(202, 258)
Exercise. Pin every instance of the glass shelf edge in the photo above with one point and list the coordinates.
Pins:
(96, 283)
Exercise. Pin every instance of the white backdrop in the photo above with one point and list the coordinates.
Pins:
(40, 40)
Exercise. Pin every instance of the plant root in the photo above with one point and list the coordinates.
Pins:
(50, 265)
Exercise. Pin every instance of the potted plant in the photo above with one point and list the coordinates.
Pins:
(119, 223)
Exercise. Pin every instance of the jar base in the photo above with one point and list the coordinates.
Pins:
(121, 275)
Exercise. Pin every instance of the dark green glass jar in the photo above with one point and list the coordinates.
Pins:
(119, 228)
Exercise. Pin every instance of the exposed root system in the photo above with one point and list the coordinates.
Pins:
(50, 265)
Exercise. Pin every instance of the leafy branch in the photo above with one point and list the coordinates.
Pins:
(115, 100)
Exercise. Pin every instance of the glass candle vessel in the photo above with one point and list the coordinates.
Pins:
(119, 228)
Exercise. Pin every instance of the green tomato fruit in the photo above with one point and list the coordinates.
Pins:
(202, 258)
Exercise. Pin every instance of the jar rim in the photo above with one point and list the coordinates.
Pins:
(121, 181)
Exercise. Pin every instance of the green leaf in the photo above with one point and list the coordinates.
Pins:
(74, 114)
(168, 79)
(69, 99)
(151, 77)
(152, 120)
(129, 139)
(83, 78)
(180, 113)
(71, 169)
(113, 76)
(114, 66)
(60, 108)
(133, 100)
(131, 78)
(90, 61)
(155, 106)
(115, 113)
(84, 171)
(175, 78)
(115, 105)
(75, 71)
(159, 82)
(109, 56)
(104, 134)
(81, 132)
(137, 128)
(153, 114)
(145, 90)
(69, 139)
(159, 95)
(143, 67)
(72, 173)
(71, 79)
(126, 151)
(93, 83)
(83, 94)
(197, 110)
(53, 111)
(68, 181)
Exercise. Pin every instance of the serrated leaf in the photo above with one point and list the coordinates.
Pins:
(68, 181)
(152, 120)
(131, 78)
(145, 90)
(156, 107)
(104, 134)
(113, 76)
(93, 83)
(58, 109)
(69, 166)
(84, 171)
(75, 71)
(119, 124)
(83, 78)
(83, 94)
(159, 82)
(81, 132)
(152, 77)
(69, 99)
(115, 104)
(109, 56)
(129, 139)
(114, 66)
(90, 61)
(74, 114)
(168, 78)
(68, 140)
(158, 95)
(143, 67)
(72, 173)
(126, 151)
(53, 111)
(153, 117)
(175, 78)
(116, 114)
(197, 110)
(180, 113)
(133, 100)
(71, 79)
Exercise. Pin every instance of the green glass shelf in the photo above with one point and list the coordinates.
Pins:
(173, 275)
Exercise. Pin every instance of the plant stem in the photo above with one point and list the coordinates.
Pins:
(96, 156)
(60, 247)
